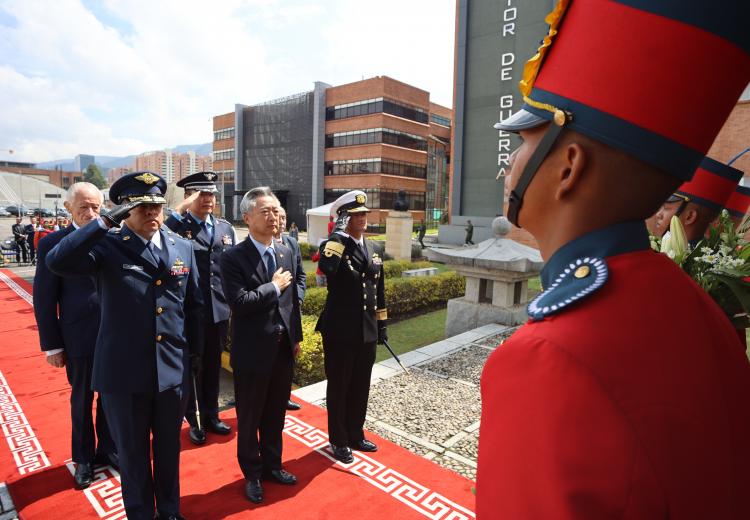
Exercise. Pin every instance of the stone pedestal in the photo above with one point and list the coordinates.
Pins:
(398, 232)
(497, 272)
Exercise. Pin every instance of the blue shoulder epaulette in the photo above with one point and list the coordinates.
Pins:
(578, 280)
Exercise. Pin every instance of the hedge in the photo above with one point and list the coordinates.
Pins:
(403, 296)
(309, 367)
(307, 250)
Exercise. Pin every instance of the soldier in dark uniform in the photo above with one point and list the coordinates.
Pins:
(352, 323)
(210, 237)
(151, 316)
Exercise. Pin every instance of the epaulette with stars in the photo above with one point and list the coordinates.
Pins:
(578, 280)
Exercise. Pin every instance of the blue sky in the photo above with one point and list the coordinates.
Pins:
(117, 77)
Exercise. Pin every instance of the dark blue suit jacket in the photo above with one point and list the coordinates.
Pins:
(300, 278)
(207, 253)
(148, 312)
(256, 309)
(66, 309)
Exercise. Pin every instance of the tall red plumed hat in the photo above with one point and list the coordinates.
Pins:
(711, 186)
(739, 202)
(654, 78)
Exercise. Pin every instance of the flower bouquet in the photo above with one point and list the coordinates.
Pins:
(719, 263)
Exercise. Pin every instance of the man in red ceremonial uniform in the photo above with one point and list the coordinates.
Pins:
(738, 204)
(697, 203)
(605, 405)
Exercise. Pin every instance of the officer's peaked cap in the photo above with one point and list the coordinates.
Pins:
(145, 187)
(352, 202)
(201, 181)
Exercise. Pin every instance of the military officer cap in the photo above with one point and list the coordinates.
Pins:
(145, 187)
(739, 202)
(352, 202)
(201, 181)
(655, 79)
(711, 186)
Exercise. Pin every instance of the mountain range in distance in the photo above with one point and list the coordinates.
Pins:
(106, 162)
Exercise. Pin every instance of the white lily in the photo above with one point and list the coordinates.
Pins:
(679, 241)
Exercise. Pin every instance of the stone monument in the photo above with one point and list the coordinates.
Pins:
(398, 229)
(497, 272)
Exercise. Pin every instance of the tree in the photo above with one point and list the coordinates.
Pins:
(94, 175)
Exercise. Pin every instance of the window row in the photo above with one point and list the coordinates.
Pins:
(376, 165)
(224, 133)
(227, 175)
(224, 155)
(376, 106)
(440, 120)
(376, 135)
(380, 199)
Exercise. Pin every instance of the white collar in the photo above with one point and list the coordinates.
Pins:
(156, 239)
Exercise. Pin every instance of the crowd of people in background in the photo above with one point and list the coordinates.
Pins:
(27, 236)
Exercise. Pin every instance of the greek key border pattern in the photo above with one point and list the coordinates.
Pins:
(22, 441)
(418, 497)
(13, 286)
(105, 493)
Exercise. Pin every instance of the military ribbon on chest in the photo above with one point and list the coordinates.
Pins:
(179, 268)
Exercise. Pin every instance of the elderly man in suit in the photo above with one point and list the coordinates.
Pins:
(300, 278)
(151, 314)
(67, 316)
(266, 331)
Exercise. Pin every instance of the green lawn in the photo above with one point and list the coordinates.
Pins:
(407, 335)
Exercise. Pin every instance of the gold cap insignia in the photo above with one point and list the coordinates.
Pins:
(147, 178)
(359, 198)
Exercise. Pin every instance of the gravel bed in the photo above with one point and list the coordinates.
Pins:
(466, 364)
(468, 446)
(396, 439)
(458, 467)
(494, 341)
(425, 405)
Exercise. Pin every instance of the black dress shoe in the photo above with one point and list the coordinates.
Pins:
(84, 475)
(197, 436)
(281, 476)
(162, 516)
(291, 405)
(254, 491)
(219, 427)
(365, 445)
(343, 454)
(108, 459)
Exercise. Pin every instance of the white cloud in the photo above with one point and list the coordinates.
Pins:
(128, 76)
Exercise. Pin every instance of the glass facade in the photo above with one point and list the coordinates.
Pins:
(375, 136)
(224, 155)
(437, 183)
(278, 150)
(376, 106)
(375, 165)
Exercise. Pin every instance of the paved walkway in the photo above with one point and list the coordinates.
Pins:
(433, 410)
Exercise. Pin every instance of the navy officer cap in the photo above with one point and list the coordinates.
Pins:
(145, 187)
(201, 181)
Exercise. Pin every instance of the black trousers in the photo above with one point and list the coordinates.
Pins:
(133, 419)
(261, 406)
(32, 250)
(348, 368)
(215, 335)
(22, 249)
(83, 440)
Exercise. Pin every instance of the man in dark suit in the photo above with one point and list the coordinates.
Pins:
(300, 279)
(67, 316)
(22, 245)
(30, 229)
(353, 321)
(151, 314)
(266, 330)
(192, 219)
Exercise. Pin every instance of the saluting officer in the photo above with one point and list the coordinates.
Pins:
(353, 321)
(193, 219)
(151, 315)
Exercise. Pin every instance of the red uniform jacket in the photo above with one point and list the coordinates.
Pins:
(630, 401)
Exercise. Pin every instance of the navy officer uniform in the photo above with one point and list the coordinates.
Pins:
(353, 321)
(151, 313)
(67, 316)
(210, 237)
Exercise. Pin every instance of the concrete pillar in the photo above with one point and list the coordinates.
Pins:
(398, 231)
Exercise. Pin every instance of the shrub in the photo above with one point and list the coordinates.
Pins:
(309, 368)
(394, 268)
(307, 250)
(315, 299)
(311, 281)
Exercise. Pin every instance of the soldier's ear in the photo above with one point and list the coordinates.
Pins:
(689, 216)
(568, 169)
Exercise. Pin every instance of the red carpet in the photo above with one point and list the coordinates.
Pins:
(35, 422)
